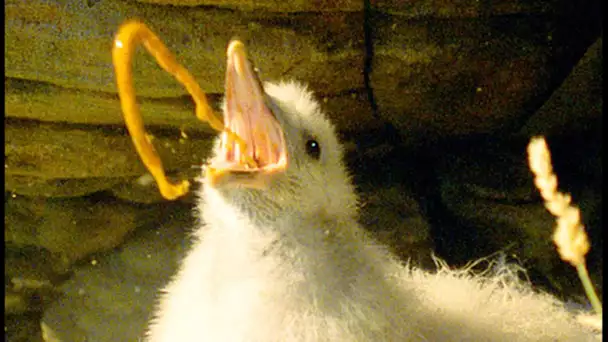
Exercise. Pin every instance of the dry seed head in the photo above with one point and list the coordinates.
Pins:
(569, 236)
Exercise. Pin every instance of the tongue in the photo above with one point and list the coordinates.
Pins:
(244, 100)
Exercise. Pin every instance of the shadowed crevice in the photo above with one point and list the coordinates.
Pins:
(389, 133)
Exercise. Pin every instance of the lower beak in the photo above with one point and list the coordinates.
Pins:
(261, 151)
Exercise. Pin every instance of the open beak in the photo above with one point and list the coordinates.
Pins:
(247, 115)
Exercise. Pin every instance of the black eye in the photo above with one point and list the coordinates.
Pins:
(313, 149)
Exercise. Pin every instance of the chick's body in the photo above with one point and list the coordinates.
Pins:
(289, 262)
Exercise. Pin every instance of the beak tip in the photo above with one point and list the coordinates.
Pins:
(235, 46)
(237, 56)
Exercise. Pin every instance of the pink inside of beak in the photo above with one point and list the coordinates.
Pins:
(247, 115)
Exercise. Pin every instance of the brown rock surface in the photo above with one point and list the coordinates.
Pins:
(440, 78)
(577, 104)
(23, 328)
(71, 228)
(65, 151)
(50, 103)
(122, 287)
(271, 5)
(30, 274)
(44, 42)
(46, 102)
(459, 8)
(144, 189)
(57, 187)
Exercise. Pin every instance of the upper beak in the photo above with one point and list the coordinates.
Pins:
(247, 115)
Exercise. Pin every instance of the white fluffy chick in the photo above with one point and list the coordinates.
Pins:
(279, 254)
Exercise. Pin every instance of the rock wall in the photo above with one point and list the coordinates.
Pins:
(434, 100)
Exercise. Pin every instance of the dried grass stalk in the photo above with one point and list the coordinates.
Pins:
(569, 236)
